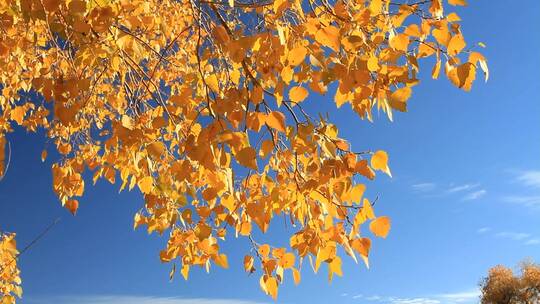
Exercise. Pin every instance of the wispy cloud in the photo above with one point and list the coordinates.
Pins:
(423, 187)
(475, 195)
(461, 297)
(461, 188)
(471, 190)
(527, 179)
(468, 296)
(530, 178)
(531, 201)
(483, 230)
(118, 299)
(524, 238)
(533, 242)
(516, 236)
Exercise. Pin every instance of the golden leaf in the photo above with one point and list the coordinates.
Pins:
(380, 226)
(145, 184)
(276, 120)
(297, 55)
(379, 161)
(298, 94)
(247, 157)
(456, 45)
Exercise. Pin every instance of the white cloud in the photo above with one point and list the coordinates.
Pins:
(530, 178)
(516, 236)
(475, 195)
(531, 201)
(463, 297)
(524, 238)
(533, 242)
(483, 230)
(414, 301)
(424, 187)
(117, 299)
(462, 188)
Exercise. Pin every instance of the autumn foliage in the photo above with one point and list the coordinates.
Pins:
(203, 106)
(10, 281)
(503, 286)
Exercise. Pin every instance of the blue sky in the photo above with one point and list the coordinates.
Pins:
(465, 196)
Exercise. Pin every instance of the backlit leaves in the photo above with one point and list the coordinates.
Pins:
(204, 107)
(379, 161)
(10, 281)
(380, 226)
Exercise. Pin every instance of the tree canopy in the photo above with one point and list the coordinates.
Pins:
(203, 106)
(503, 286)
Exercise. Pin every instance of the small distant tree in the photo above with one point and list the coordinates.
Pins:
(502, 286)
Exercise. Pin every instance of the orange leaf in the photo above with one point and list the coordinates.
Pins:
(298, 94)
(379, 161)
(456, 45)
(247, 157)
(297, 55)
(380, 226)
(276, 120)
(145, 184)
(72, 205)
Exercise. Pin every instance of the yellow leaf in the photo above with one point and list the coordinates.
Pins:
(276, 120)
(185, 271)
(18, 113)
(156, 149)
(373, 63)
(145, 184)
(329, 36)
(296, 276)
(43, 155)
(380, 226)
(453, 17)
(356, 193)
(247, 157)
(72, 205)
(398, 98)
(400, 42)
(462, 76)
(436, 69)
(287, 260)
(279, 6)
(127, 122)
(379, 161)
(375, 7)
(248, 263)
(457, 2)
(221, 260)
(334, 267)
(456, 45)
(264, 250)
(298, 94)
(272, 287)
(297, 55)
(212, 82)
(316, 195)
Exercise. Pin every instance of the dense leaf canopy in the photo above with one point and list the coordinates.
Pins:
(204, 107)
(503, 286)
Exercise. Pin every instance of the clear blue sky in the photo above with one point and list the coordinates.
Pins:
(465, 196)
